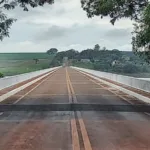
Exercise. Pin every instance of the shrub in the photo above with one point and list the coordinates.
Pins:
(1, 75)
(117, 68)
(131, 68)
(101, 66)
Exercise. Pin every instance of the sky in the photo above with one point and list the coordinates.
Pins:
(64, 25)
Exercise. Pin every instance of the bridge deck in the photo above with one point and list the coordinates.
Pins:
(64, 130)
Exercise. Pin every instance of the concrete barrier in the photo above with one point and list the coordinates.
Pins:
(126, 80)
(12, 80)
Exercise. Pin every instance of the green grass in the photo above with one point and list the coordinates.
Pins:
(23, 56)
(18, 63)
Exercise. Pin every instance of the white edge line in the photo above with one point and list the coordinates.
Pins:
(141, 97)
(32, 89)
(7, 95)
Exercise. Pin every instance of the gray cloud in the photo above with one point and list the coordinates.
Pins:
(51, 33)
(73, 35)
(118, 33)
(64, 25)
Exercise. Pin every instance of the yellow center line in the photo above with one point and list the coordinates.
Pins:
(69, 92)
(74, 132)
(86, 141)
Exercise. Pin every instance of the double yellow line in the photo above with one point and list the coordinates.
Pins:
(74, 131)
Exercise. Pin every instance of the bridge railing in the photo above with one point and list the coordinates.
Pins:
(12, 80)
(126, 80)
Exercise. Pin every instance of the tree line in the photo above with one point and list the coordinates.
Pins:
(103, 59)
(136, 10)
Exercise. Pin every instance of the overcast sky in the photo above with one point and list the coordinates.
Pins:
(64, 25)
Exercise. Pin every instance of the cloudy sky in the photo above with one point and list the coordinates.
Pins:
(64, 25)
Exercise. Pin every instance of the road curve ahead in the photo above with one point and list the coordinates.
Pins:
(72, 130)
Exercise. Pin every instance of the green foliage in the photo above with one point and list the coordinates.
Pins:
(131, 68)
(118, 68)
(115, 9)
(36, 60)
(5, 22)
(114, 61)
(101, 66)
(1, 75)
(137, 10)
(96, 47)
(71, 54)
(141, 35)
(55, 63)
(104, 49)
(102, 60)
(52, 51)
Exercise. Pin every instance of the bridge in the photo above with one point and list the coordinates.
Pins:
(70, 108)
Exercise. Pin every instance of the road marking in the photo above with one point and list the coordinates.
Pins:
(33, 88)
(16, 90)
(86, 141)
(109, 89)
(69, 92)
(121, 96)
(113, 92)
(74, 132)
(11, 93)
(1, 113)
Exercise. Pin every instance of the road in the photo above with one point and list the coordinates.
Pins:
(80, 130)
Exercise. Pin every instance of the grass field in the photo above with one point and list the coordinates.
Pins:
(17, 63)
(23, 56)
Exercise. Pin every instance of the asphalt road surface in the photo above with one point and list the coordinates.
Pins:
(67, 130)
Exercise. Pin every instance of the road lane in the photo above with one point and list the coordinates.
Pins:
(110, 130)
(73, 130)
(38, 130)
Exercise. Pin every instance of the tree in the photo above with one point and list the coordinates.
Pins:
(115, 9)
(141, 35)
(96, 47)
(71, 54)
(52, 51)
(137, 10)
(1, 75)
(36, 60)
(104, 48)
(131, 68)
(5, 22)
